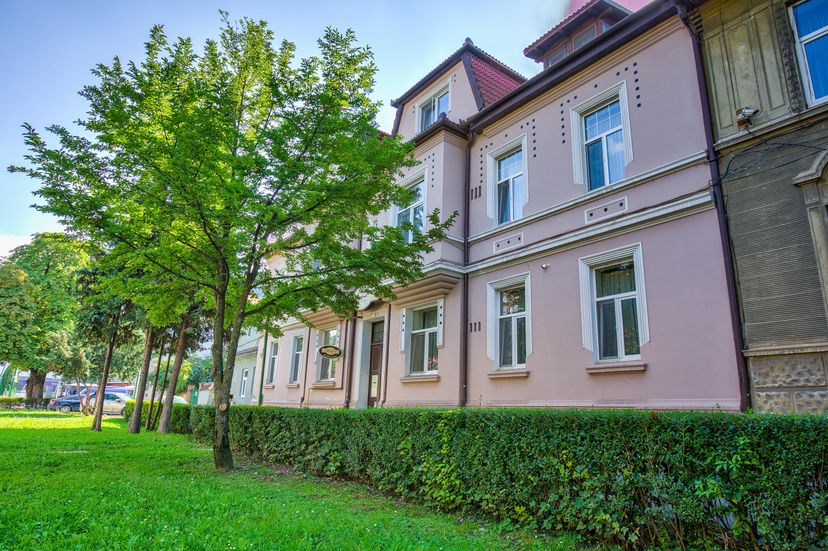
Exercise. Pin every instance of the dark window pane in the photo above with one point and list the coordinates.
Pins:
(521, 340)
(432, 351)
(417, 351)
(595, 164)
(607, 339)
(583, 38)
(817, 53)
(504, 213)
(377, 332)
(506, 343)
(811, 16)
(615, 280)
(629, 317)
(443, 104)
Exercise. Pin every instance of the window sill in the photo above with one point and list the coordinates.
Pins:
(292, 385)
(508, 374)
(324, 384)
(269, 385)
(426, 378)
(617, 367)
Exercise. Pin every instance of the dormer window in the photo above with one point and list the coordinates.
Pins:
(431, 108)
(583, 38)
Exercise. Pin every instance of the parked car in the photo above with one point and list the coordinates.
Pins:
(66, 404)
(114, 404)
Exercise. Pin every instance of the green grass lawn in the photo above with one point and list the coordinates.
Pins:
(64, 487)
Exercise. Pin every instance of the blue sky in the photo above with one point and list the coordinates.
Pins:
(48, 47)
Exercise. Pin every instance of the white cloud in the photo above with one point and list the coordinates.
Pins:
(9, 242)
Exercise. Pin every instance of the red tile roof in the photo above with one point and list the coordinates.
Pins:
(492, 83)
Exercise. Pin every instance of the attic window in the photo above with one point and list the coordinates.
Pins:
(557, 54)
(431, 108)
(583, 37)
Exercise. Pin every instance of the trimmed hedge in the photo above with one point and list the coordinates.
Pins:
(638, 479)
(179, 419)
(22, 403)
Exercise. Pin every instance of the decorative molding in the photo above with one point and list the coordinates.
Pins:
(508, 374)
(814, 172)
(427, 378)
(617, 367)
(677, 209)
(492, 288)
(633, 181)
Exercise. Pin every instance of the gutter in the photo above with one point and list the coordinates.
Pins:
(350, 363)
(718, 200)
(464, 312)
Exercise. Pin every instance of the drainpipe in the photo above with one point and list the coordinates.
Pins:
(387, 345)
(305, 378)
(718, 199)
(350, 362)
(262, 374)
(464, 310)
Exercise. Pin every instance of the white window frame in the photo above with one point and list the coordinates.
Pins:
(491, 165)
(409, 182)
(271, 364)
(493, 290)
(432, 98)
(332, 362)
(405, 327)
(245, 376)
(437, 329)
(589, 318)
(577, 115)
(296, 357)
(807, 84)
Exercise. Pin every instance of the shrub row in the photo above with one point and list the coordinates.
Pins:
(22, 403)
(179, 419)
(639, 479)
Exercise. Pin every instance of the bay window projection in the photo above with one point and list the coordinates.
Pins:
(511, 326)
(412, 211)
(423, 351)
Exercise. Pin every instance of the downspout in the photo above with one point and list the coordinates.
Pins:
(387, 345)
(262, 374)
(350, 362)
(464, 310)
(305, 378)
(718, 199)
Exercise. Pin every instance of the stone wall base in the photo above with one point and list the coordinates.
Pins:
(789, 380)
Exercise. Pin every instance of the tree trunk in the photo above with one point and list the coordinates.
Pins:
(181, 347)
(158, 408)
(148, 422)
(80, 401)
(101, 392)
(134, 425)
(222, 456)
(35, 384)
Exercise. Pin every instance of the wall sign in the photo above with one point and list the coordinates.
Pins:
(330, 351)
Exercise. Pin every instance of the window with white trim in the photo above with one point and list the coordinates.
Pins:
(271, 366)
(511, 327)
(810, 25)
(296, 358)
(509, 335)
(412, 212)
(431, 108)
(601, 144)
(423, 339)
(510, 198)
(613, 304)
(243, 390)
(616, 311)
(604, 145)
(327, 366)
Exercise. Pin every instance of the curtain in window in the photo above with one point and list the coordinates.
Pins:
(615, 280)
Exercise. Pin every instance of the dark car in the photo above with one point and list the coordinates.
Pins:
(65, 405)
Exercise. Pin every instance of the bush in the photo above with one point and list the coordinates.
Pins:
(179, 419)
(639, 479)
(22, 403)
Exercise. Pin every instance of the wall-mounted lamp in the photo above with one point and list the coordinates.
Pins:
(544, 266)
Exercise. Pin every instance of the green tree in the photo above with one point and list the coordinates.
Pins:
(38, 298)
(206, 165)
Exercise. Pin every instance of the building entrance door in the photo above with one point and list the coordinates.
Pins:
(375, 363)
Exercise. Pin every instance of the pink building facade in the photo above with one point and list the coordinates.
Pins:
(586, 267)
